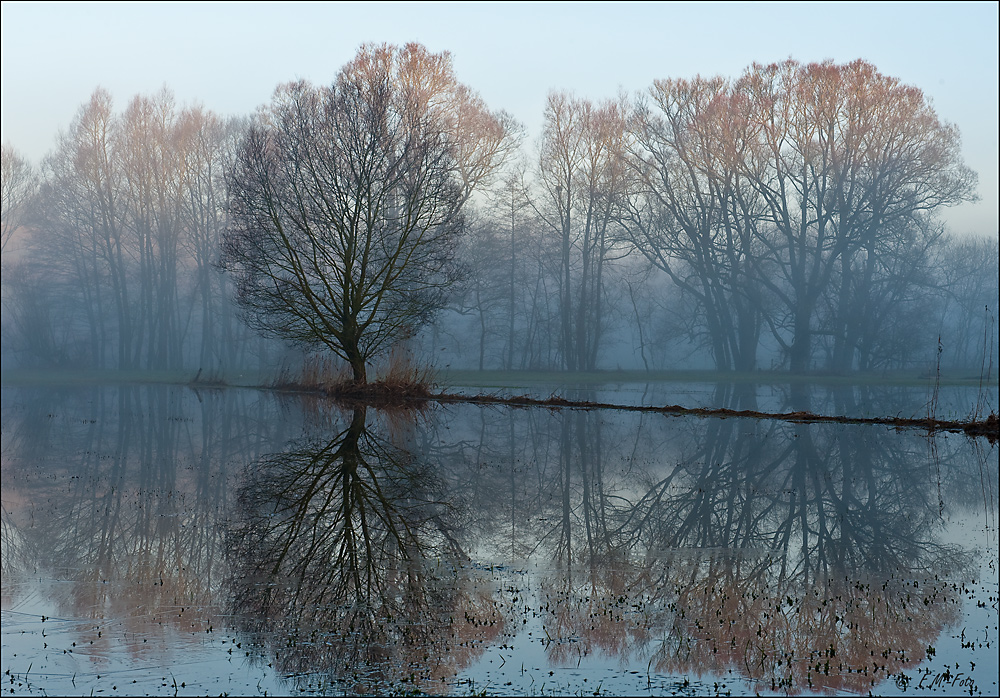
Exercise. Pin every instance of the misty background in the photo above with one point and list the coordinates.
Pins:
(112, 227)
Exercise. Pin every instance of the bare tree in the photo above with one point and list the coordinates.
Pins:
(511, 205)
(123, 237)
(581, 181)
(151, 163)
(692, 214)
(775, 200)
(207, 146)
(81, 234)
(845, 157)
(484, 141)
(878, 311)
(19, 184)
(345, 205)
(967, 271)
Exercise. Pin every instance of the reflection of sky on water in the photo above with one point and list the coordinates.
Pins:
(634, 552)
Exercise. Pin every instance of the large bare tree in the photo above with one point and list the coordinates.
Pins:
(692, 215)
(780, 198)
(846, 160)
(581, 182)
(346, 202)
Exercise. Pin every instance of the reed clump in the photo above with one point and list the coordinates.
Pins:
(398, 380)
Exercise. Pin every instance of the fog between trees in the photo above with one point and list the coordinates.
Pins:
(785, 218)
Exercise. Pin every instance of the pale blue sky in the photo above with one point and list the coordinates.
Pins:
(230, 56)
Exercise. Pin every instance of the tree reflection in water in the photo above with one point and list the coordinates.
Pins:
(345, 564)
(794, 555)
(123, 502)
(821, 566)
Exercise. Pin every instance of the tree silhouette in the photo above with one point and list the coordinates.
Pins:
(346, 201)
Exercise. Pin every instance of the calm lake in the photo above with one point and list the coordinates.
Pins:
(158, 540)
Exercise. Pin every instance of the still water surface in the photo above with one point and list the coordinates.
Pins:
(161, 541)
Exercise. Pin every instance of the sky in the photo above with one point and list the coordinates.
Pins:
(229, 57)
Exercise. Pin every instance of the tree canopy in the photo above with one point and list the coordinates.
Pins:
(346, 201)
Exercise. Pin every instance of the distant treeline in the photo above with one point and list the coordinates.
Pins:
(784, 219)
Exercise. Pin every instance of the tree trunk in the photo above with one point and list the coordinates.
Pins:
(356, 361)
